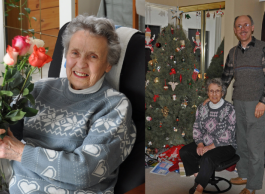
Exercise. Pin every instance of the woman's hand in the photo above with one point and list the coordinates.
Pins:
(207, 148)
(200, 149)
(205, 101)
(10, 147)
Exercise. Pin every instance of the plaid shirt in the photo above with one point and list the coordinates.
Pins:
(228, 72)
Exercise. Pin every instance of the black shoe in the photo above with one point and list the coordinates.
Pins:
(192, 189)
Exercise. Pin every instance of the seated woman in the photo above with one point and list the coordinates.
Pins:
(83, 130)
(214, 137)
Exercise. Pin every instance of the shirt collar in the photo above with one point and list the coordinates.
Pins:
(251, 43)
(89, 90)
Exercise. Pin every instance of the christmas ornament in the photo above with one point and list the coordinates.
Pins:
(194, 106)
(183, 60)
(150, 62)
(197, 42)
(200, 76)
(183, 134)
(156, 150)
(184, 104)
(214, 15)
(177, 119)
(171, 57)
(150, 143)
(220, 12)
(150, 106)
(158, 68)
(173, 71)
(175, 62)
(198, 14)
(155, 97)
(160, 124)
(208, 14)
(176, 13)
(182, 44)
(175, 129)
(172, 30)
(195, 73)
(166, 146)
(165, 86)
(158, 45)
(174, 97)
(173, 85)
(146, 83)
(167, 138)
(162, 13)
(187, 16)
(165, 111)
(148, 39)
(215, 56)
(154, 70)
(180, 78)
(190, 83)
(175, 39)
(156, 80)
(149, 128)
(177, 49)
(148, 118)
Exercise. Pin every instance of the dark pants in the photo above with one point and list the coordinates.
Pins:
(208, 162)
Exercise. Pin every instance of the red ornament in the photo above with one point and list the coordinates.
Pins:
(215, 56)
(172, 30)
(180, 78)
(165, 86)
(222, 65)
(155, 97)
(160, 124)
(158, 45)
(222, 52)
(156, 150)
(173, 71)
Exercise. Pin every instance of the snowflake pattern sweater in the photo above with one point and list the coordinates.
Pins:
(76, 142)
(215, 125)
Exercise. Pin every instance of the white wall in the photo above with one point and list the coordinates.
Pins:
(88, 6)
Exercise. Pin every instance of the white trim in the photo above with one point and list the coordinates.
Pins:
(66, 11)
(2, 31)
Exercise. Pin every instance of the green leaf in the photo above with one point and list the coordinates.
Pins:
(30, 112)
(15, 115)
(16, 92)
(25, 31)
(19, 19)
(31, 87)
(31, 30)
(21, 14)
(25, 92)
(7, 93)
(22, 102)
(34, 18)
(30, 98)
(10, 80)
(11, 5)
(27, 10)
(7, 106)
(18, 79)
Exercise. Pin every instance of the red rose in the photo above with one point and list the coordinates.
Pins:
(20, 43)
(38, 58)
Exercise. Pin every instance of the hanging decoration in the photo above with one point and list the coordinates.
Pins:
(148, 39)
(148, 118)
(160, 125)
(183, 134)
(158, 45)
(175, 39)
(173, 71)
(219, 12)
(208, 14)
(150, 143)
(183, 60)
(155, 97)
(173, 85)
(162, 13)
(146, 83)
(176, 13)
(177, 49)
(213, 15)
(172, 30)
(175, 129)
(171, 57)
(197, 41)
(195, 73)
(158, 68)
(174, 97)
(187, 16)
(198, 14)
(156, 80)
(184, 104)
(177, 119)
(190, 83)
(180, 78)
(149, 128)
(167, 138)
(165, 86)
(182, 44)
(165, 111)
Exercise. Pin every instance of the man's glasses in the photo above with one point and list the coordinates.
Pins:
(239, 27)
(212, 92)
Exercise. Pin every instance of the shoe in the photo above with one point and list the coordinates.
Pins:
(246, 191)
(192, 189)
(238, 181)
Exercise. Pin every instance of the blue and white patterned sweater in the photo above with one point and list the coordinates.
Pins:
(215, 126)
(75, 143)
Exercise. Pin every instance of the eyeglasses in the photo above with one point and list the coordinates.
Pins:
(212, 92)
(239, 27)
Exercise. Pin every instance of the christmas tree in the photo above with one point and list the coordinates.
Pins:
(173, 90)
(215, 69)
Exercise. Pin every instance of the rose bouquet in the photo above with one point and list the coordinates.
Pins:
(21, 60)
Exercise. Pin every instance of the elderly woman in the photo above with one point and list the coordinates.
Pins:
(83, 130)
(214, 137)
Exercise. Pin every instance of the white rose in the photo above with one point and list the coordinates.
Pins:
(32, 42)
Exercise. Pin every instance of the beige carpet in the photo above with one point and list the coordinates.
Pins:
(172, 183)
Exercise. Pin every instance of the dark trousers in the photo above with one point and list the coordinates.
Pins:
(208, 162)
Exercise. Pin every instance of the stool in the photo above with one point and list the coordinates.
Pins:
(214, 180)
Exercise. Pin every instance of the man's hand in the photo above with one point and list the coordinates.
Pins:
(207, 148)
(10, 147)
(200, 149)
(259, 111)
(205, 101)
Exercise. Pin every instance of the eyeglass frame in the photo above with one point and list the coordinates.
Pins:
(240, 27)
(217, 92)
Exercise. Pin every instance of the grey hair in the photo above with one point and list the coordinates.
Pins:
(252, 22)
(218, 82)
(98, 27)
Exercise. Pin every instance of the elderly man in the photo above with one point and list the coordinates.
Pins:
(246, 63)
